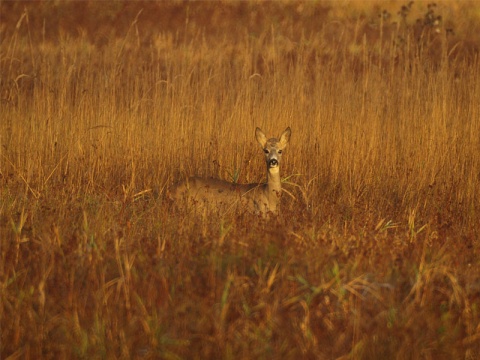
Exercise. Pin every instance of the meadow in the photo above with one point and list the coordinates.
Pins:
(105, 105)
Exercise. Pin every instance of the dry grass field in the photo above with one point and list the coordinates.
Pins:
(105, 105)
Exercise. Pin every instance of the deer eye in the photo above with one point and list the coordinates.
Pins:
(266, 151)
(279, 151)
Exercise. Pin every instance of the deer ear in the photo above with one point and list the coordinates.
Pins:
(285, 137)
(260, 136)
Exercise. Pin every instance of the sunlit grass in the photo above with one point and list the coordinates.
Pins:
(375, 254)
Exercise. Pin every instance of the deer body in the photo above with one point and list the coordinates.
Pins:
(223, 196)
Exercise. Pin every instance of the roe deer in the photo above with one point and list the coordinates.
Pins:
(214, 194)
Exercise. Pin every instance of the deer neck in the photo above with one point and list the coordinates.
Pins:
(274, 187)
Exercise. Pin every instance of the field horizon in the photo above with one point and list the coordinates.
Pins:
(376, 251)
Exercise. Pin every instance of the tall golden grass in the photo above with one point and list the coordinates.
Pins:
(105, 105)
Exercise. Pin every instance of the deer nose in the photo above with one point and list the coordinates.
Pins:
(273, 163)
